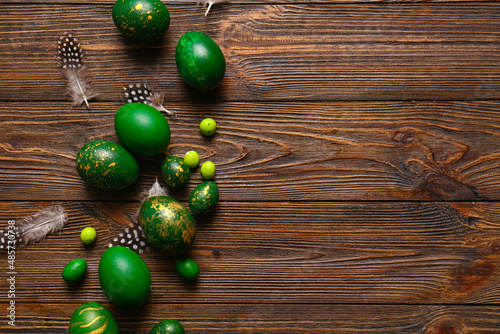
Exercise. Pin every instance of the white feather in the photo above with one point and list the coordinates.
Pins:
(210, 3)
(36, 227)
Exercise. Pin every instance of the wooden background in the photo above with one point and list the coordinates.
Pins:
(357, 153)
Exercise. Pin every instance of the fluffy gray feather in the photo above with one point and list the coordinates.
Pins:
(36, 227)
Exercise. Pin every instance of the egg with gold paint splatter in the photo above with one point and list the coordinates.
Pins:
(106, 165)
(204, 198)
(142, 21)
(92, 317)
(167, 224)
(175, 171)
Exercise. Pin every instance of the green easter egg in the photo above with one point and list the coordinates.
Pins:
(143, 21)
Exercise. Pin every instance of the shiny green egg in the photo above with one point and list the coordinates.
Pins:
(74, 271)
(124, 277)
(204, 198)
(200, 61)
(167, 224)
(92, 318)
(168, 326)
(106, 165)
(175, 172)
(142, 21)
(142, 129)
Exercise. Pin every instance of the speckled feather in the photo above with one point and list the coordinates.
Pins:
(133, 236)
(141, 93)
(74, 70)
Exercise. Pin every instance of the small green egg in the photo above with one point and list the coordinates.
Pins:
(200, 61)
(142, 129)
(74, 271)
(88, 235)
(106, 165)
(208, 170)
(204, 198)
(192, 159)
(92, 318)
(168, 326)
(187, 268)
(175, 172)
(143, 21)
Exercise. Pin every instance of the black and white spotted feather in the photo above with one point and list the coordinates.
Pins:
(70, 54)
(10, 234)
(133, 236)
(141, 93)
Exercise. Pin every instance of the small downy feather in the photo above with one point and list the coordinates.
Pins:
(133, 236)
(141, 93)
(209, 4)
(36, 227)
(74, 70)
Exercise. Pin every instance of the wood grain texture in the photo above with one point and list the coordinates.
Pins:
(273, 151)
(281, 253)
(258, 318)
(357, 158)
(273, 52)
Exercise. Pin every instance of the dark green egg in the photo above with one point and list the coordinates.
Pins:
(168, 326)
(187, 268)
(106, 165)
(200, 61)
(167, 224)
(141, 21)
(204, 198)
(175, 172)
(92, 318)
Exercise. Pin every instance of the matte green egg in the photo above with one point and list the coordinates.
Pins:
(168, 326)
(204, 198)
(200, 61)
(175, 172)
(167, 224)
(124, 277)
(141, 21)
(74, 271)
(92, 318)
(142, 129)
(106, 165)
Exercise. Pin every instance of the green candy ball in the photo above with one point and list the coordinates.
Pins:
(192, 159)
(208, 126)
(208, 170)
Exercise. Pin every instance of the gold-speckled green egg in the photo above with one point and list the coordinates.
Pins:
(141, 21)
(167, 224)
(106, 165)
(92, 317)
(175, 171)
(204, 198)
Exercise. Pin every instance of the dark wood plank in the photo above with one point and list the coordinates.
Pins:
(274, 52)
(276, 318)
(325, 253)
(273, 151)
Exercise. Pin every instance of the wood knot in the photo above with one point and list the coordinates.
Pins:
(446, 188)
(404, 137)
(447, 325)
